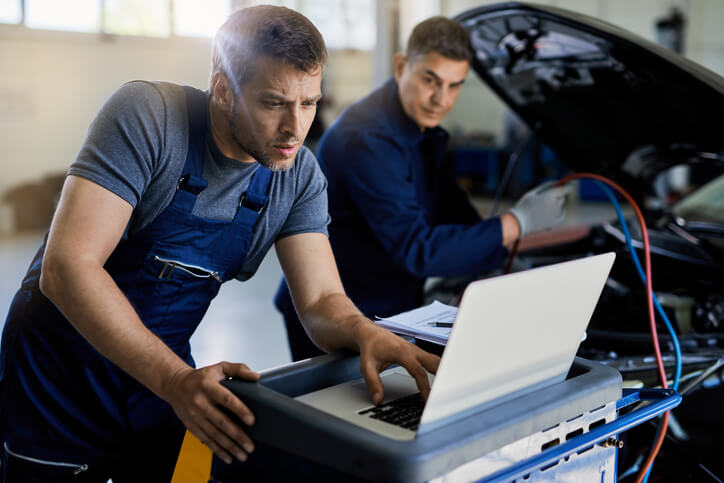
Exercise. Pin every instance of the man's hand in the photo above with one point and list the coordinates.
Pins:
(541, 208)
(380, 348)
(195, 395)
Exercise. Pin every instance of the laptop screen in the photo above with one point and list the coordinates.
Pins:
(514, 334)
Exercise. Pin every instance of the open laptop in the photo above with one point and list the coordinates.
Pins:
(513, 334)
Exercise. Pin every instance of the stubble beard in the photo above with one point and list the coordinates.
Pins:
(248, 146)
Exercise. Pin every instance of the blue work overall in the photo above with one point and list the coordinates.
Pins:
(68, 413)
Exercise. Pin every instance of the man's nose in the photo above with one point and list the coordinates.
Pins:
(292, 123)
(438, 95)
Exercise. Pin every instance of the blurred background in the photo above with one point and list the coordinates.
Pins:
(61, 60)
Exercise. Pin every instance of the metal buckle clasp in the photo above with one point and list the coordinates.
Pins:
(241, 202)
(182, 180)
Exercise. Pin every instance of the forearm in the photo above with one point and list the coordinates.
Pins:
(329, 316)
(334, 323)
(446, 250)
(90, 299)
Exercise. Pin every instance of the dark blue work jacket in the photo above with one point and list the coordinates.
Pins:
(397, 214)
(60, 398)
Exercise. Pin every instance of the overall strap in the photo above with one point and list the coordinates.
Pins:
(251, 204)
(256, 195)
(192, 181)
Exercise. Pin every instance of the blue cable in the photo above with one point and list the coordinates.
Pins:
(642, 275)
(659, 309)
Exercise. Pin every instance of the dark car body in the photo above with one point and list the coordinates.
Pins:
(609, 102)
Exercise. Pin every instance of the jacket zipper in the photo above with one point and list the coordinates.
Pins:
(173, 264)
(78, 468)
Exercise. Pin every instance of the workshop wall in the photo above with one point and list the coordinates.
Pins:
(53, 84)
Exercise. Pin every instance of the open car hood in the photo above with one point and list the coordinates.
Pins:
(604, 99)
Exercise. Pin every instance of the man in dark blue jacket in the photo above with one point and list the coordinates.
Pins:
(397, 215)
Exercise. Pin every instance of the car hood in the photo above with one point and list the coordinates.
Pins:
(604, 99)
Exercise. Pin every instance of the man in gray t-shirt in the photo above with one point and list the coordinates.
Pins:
(143, 170)
(174, 192)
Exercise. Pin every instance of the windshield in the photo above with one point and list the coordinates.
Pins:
(705, 204)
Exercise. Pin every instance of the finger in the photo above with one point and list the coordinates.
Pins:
(372, 379)
(224, 397)
(562, 205)
(239, 370)
(211, 444)
(430, 362)
(558, 192)
(225, 446)
(229, 427)
(220, 427)
(415, 369)
(568, 188)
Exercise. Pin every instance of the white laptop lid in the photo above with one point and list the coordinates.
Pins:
(515, 332)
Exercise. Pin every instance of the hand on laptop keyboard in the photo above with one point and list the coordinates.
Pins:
(380, 348)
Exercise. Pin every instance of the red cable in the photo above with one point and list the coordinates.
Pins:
(649, 301)
(655, 450)
(647, 259)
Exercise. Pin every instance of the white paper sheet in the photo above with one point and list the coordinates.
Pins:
(420, 322)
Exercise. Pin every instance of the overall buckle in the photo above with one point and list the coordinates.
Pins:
(250, 205)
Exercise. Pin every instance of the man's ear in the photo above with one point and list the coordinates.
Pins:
(221, 91)
(399, 63)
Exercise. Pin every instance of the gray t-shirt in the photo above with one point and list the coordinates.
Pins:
(136, 147)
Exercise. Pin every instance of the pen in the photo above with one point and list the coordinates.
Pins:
(441, 324)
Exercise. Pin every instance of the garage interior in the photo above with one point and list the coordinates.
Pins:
(59, 69)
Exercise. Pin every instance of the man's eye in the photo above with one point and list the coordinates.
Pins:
(272, 103)
(310, 104)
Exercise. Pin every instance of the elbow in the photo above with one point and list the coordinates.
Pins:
(323, 319)
(314, 329)
(51, 277)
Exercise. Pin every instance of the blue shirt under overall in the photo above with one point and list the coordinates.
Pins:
(63, 401)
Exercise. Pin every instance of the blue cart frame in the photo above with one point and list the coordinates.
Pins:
(662, 400)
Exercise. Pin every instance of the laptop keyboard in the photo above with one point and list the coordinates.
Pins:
(405, 411)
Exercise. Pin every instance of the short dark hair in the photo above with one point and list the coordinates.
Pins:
(445, 36)
(265, 30)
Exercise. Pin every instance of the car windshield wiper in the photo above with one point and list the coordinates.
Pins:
(704, 227)
(693, 230)
(683, 233)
